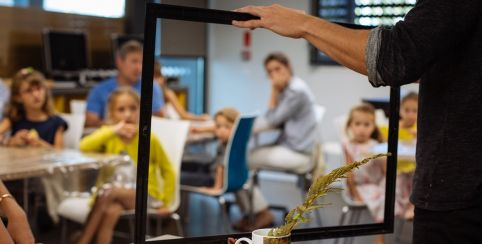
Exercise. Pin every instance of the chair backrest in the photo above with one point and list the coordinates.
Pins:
(236, 158)
(78, 106)
(319, 115)
(317, 157)
(340, 124)
(173, 135)
(171, 112)
(74, 133)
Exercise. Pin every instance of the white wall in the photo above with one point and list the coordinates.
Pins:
(233, 82)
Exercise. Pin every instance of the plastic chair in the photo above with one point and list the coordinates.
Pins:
(351, 206)
(78, 106)
(172, 135)
(236, 167)
(74, 133)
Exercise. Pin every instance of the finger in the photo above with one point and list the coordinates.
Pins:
(252, 24)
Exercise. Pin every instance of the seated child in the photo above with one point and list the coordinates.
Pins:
(30, 113)
(407, 134)
(120, 135)
(31, 119)
(366, 184)
(214, 181)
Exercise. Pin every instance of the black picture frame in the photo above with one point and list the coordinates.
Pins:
(155, 11)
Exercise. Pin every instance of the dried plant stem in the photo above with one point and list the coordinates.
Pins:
(320, 187)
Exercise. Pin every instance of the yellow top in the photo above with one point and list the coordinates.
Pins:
(404, 136)
(161, 181)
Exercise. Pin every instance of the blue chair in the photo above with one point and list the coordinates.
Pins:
(235, 165)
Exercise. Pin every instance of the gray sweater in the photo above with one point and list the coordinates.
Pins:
(295, 115)
(440, 42)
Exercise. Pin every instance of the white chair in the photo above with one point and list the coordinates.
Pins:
(78, 106)
(173, 136)
(354, 208)
(74, 133)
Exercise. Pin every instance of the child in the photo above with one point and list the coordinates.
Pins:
(120, 135)
(408, 135)
(32, 121)
(30, 114)
(408, 119)
(366, 184)
(214, 182)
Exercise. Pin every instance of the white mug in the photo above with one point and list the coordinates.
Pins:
(261, 237)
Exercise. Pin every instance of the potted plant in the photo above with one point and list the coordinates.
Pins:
(320, 187)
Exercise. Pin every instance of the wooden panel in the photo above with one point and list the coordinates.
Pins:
(21, 43)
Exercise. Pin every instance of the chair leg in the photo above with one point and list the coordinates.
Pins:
(63, 231)
(398, 232)
(344, 212)
(131, 228)
(251, 198)
(177, 219)
(357, 216)
(222, 205)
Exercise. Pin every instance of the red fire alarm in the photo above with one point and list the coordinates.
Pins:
(246, 52)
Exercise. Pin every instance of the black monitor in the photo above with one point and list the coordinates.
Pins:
(65, 52)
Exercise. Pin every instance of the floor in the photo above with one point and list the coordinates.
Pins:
(205, 216)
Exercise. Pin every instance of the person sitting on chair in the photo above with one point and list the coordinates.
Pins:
(291, 109)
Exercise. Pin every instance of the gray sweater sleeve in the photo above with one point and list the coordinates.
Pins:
(288, 105)
(371, 54)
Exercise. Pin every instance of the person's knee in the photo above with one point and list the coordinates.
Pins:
(113, 211)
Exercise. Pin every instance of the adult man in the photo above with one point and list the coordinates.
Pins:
(439, 42)
(129, 66)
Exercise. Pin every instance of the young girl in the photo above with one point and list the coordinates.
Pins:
(214, 182)
(225, 119)
(121, 136)
(366, 184)
(30, 114)
(408, 135)
(408, 119)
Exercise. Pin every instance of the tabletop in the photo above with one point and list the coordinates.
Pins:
(18, 163)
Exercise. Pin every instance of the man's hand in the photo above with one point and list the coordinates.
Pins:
(281, 20)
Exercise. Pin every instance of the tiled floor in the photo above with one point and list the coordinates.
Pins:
(205, 216)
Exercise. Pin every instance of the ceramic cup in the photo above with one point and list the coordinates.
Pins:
(261, 237)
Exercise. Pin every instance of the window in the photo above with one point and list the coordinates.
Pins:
(381, 12)
(361, 12)
(104, 8)
(6, 2)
